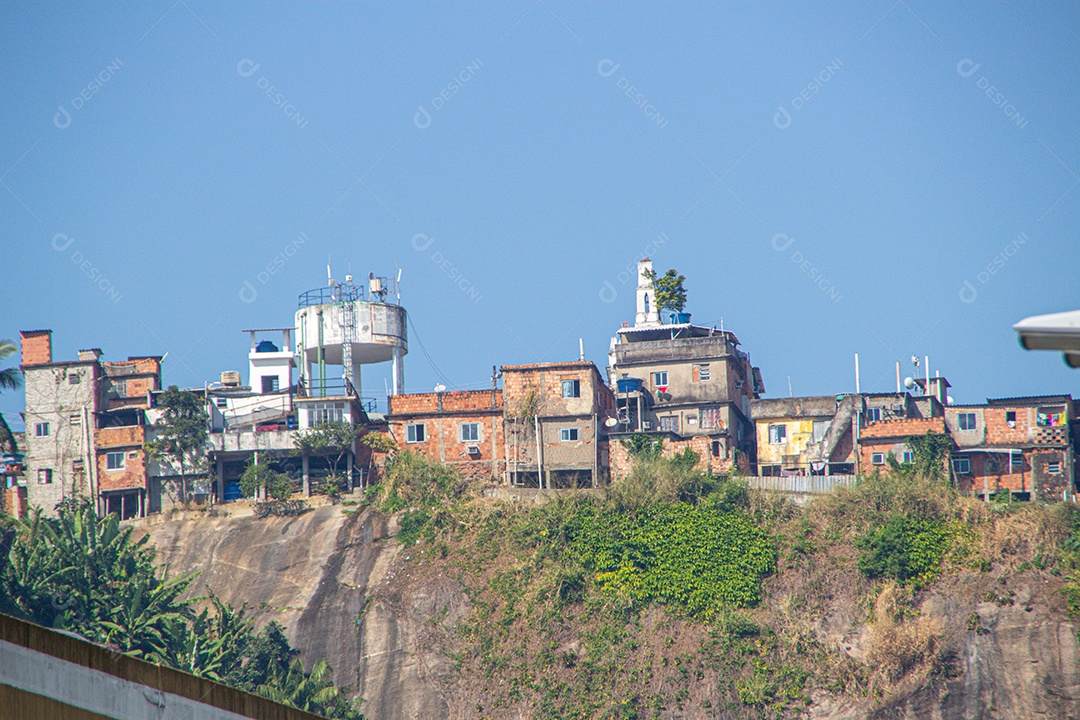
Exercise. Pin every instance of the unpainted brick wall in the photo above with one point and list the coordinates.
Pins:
(36, 347)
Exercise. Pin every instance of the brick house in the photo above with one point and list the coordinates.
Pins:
(1022, 445)
(463, 429)
(86, 426)
(888, 438)
(683, 381)
(556, 424)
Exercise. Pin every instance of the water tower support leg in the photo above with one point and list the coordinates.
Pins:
(398, 371)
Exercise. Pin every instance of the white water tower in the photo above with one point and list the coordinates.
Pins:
(343, 326)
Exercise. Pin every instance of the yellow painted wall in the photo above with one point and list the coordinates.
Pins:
(799, 433)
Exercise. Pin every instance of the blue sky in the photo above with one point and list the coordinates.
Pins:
(883, 178)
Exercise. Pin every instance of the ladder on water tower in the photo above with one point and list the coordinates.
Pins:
(348, 336)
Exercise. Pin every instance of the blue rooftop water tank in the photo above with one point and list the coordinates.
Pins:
(266, 346)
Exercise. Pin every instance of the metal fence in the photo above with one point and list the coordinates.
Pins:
(801, 484)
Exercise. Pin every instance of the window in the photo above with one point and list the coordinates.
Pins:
(44, 476)
(221, 402)
(820, 428)
(469, 432)
(571, 388)
(1053, 468)
(414, 433)
(114, 461)
(120, 387)
(75, 419)
(74, 378)
(270, 383)
(1016, 462)
(670, 423)
(1010, 418)
(716, 448)
(877, 459)
(873, 414)
(961, 466)
(710, 418)
(568, 434)
(646, 303)
(41, 429)
(966, 420)
(703, 372)
(908, 457)
(777, 434)
(320, 413)
(659, 379)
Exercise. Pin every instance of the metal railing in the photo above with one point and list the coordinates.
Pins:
(335, 294)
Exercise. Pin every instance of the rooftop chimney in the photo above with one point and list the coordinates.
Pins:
(92, 355)
(36, 347)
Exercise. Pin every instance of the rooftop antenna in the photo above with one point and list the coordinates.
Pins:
(397, 285)
(789, 392)
(581, 349)
(329, 277)
(857, 388)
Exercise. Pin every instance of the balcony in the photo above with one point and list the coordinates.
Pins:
(250, 441)
(1051, 435)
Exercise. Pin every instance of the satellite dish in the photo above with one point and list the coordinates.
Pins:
(915, 360)
(948, 400)
(611, 422)
(440, 387)
(909, 383)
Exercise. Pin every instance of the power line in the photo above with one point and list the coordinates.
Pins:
(428, 355)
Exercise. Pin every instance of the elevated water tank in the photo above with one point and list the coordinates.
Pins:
(342, 325)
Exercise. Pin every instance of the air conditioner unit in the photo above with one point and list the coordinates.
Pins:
(646, 425)
(738, 384)
(897, 408)
(473, 449)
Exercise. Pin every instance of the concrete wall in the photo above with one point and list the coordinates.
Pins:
(67, 450)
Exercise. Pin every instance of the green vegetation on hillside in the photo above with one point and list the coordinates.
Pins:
(676, 592)
(84, 574)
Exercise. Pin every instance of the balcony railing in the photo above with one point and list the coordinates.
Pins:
(335, 294)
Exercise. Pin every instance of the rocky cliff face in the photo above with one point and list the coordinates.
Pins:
(315, 574)
(346, 591)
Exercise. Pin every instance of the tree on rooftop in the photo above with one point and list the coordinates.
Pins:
(181, 431)
(10, 379)
(668, 290)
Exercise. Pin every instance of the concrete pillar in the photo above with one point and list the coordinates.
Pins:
(220, 467)
(349, 469)
(398, 370)
(307, 476)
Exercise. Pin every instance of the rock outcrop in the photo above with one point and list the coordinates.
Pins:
(346, 591)
(317, 575)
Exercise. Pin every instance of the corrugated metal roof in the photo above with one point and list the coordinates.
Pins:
(1029, 399)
